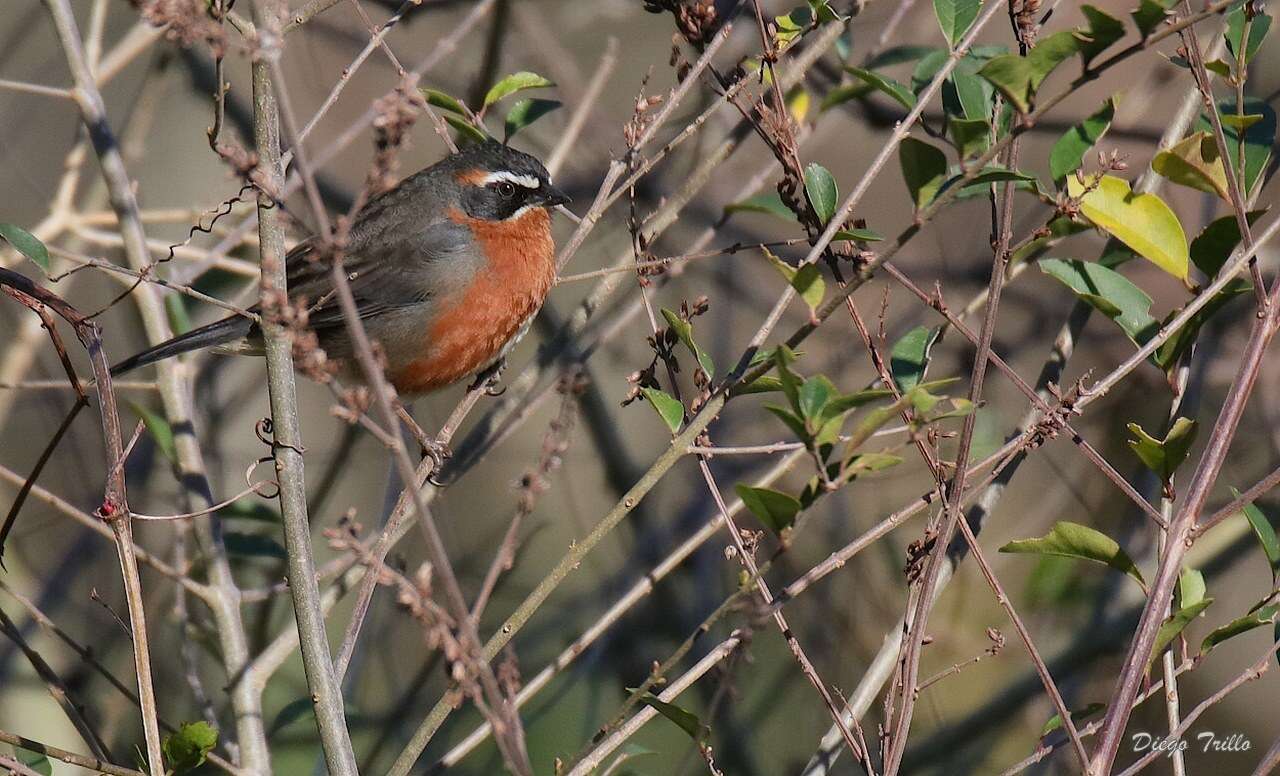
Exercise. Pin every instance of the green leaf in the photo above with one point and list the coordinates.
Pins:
(247, 545)
(1109, 292)
(1011, 75)
(1148, 16)
(1141, 221)
(955, 17)
(1176, 624)
(1266, 533)
(1055, 721)
(885, 84)
(871, 423)
(927, 68)
(1104, 30)
(516, 82)
(1215, 243)
(1191, 587)
(918, 397)
(1164, 456)
(1059, 228)
(27, 244)
(1070, 149)
(1245, 51)
(186, 749)
(909, 358)
(159, 429)
(524, 112)
(979, 183)
(667, 406)
(442, 100)
(924, 168)
(820, 187)
(769, 203)
(790, 26)
(684, 330)
(1019, 77)
(843, 93)
(780, 355)
(1217, 65)
(970, 136)
(1255, 619)
(35, 761)
(293, 711)
(782, 359)
(467, 132)
(1240, 122)
(807, 280)
(775, 509)
(1051, 51)
(839, 405)
(813, 396)
(686, 720)
(1194, 162)
(857, 235)
(966, 95)
(871, 462)
(1072, 540)
(1258, 138)
(762, 384)
(793, 421)
(959, 408)
(809, 285)
(824, 13)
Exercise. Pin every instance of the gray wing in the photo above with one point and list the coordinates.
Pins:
(389, 268)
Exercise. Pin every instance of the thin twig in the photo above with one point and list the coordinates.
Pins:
(1240, 502)
(91, 763)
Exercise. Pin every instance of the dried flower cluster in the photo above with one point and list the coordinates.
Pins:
(696, 20)
(186, 22)
(396, 112)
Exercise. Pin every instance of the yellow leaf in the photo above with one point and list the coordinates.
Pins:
(1194, 162)
(1141, 221)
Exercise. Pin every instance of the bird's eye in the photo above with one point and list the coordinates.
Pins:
(507, 189)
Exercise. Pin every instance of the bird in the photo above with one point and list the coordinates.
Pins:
(448, 269)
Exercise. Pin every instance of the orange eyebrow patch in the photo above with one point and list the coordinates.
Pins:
(475, 176)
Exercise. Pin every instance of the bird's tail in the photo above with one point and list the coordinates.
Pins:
(220, 332)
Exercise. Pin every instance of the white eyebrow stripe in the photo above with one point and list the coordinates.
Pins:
(526, 181)
(516, 215)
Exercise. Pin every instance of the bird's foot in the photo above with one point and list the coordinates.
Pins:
(429, 447)
(439, 453)
(489, 379)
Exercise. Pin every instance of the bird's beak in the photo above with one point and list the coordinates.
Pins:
(553, 196)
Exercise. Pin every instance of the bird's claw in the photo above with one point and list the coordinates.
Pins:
(489, 379)
(439, 453)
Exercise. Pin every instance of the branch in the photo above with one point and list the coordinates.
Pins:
(224, 598)
(115, 505)
(71, 758)
(326, 692)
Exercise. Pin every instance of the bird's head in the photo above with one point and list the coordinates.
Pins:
(498, 183)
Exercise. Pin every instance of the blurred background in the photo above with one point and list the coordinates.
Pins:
(764, 716)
